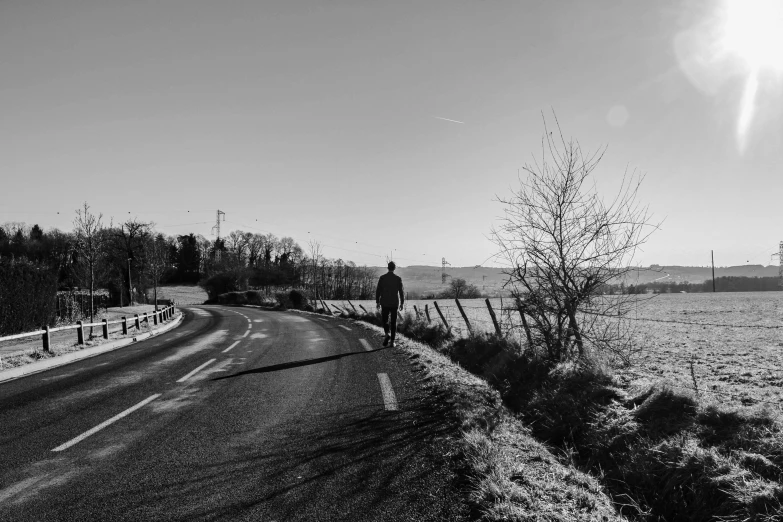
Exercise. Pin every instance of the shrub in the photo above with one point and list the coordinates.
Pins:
(27, 296)
(232, 298)
(283, 301)
(297, 299)
(224, 282)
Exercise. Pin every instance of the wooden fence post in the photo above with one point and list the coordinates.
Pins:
(441, 315)
(138, 323)
(416, 310)
(464, 316)
(46, 339)
(427, 312)
(365, 310)
(524, 323)
(352, 306)
(494, 319)
(105, 327)
(79, 332)
(155, 317)
(124, 325)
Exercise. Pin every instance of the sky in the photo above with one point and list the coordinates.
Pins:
(391, 128)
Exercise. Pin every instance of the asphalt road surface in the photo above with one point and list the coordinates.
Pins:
(238, 414)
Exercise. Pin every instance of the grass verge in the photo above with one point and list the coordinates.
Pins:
(660, 453)
(509, 475)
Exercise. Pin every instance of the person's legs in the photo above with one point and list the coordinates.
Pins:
(393, 321)
(385, 312)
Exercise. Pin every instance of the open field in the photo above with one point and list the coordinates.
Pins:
(735, 341)
(182, 294)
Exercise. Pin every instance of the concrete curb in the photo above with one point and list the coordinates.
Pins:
(61, 360)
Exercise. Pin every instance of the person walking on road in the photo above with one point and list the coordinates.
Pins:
(386, 298)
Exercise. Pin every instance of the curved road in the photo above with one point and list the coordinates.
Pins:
(238, 414)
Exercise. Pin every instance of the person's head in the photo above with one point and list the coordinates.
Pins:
(391, 266)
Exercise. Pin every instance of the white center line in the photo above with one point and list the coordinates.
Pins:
(103, 424)
(186, 377)
(227, 349)
(249, 326)
(345, 327)
(366, 345)
(246, 332)
(389, 399)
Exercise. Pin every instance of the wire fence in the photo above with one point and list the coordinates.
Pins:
(476, 316)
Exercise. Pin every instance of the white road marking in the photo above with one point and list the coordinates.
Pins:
(345, 327)
(366, 345)
(249, 325)
(191, 374)
(246, 332)
(227, 349)
(103, 424)
(389, 399)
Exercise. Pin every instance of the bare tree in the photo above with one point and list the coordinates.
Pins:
(128, 250)
(564, 243)
(156, 252)
(90, 244)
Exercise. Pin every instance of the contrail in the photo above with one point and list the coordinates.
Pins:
(447, 119)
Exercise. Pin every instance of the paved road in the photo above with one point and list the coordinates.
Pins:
(239, 414)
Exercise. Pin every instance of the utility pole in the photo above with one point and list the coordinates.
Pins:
(216, 231)
(443, 273)
(712, 255)
(130, 285)
(780, 263)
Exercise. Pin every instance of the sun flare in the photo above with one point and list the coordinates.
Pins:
(754, 32)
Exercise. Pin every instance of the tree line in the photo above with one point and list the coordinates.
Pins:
(128, 260)
(722, 284)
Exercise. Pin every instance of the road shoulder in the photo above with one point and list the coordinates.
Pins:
(70, 357)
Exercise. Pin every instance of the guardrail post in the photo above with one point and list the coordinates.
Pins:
(138, 323)
(464, 316)
(494, 318)
(155, 317)
(79, 332)
(147, 318)
(441, 315)
(124, 325)
(427, 312)
(46, 339)
(105, 328)
(168, 313)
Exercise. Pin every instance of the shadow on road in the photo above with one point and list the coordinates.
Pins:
(361, 465)
(295, 364)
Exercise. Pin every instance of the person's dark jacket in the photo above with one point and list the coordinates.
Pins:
(389, 288)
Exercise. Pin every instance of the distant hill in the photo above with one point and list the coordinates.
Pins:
(421, 279)
(697, 274)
